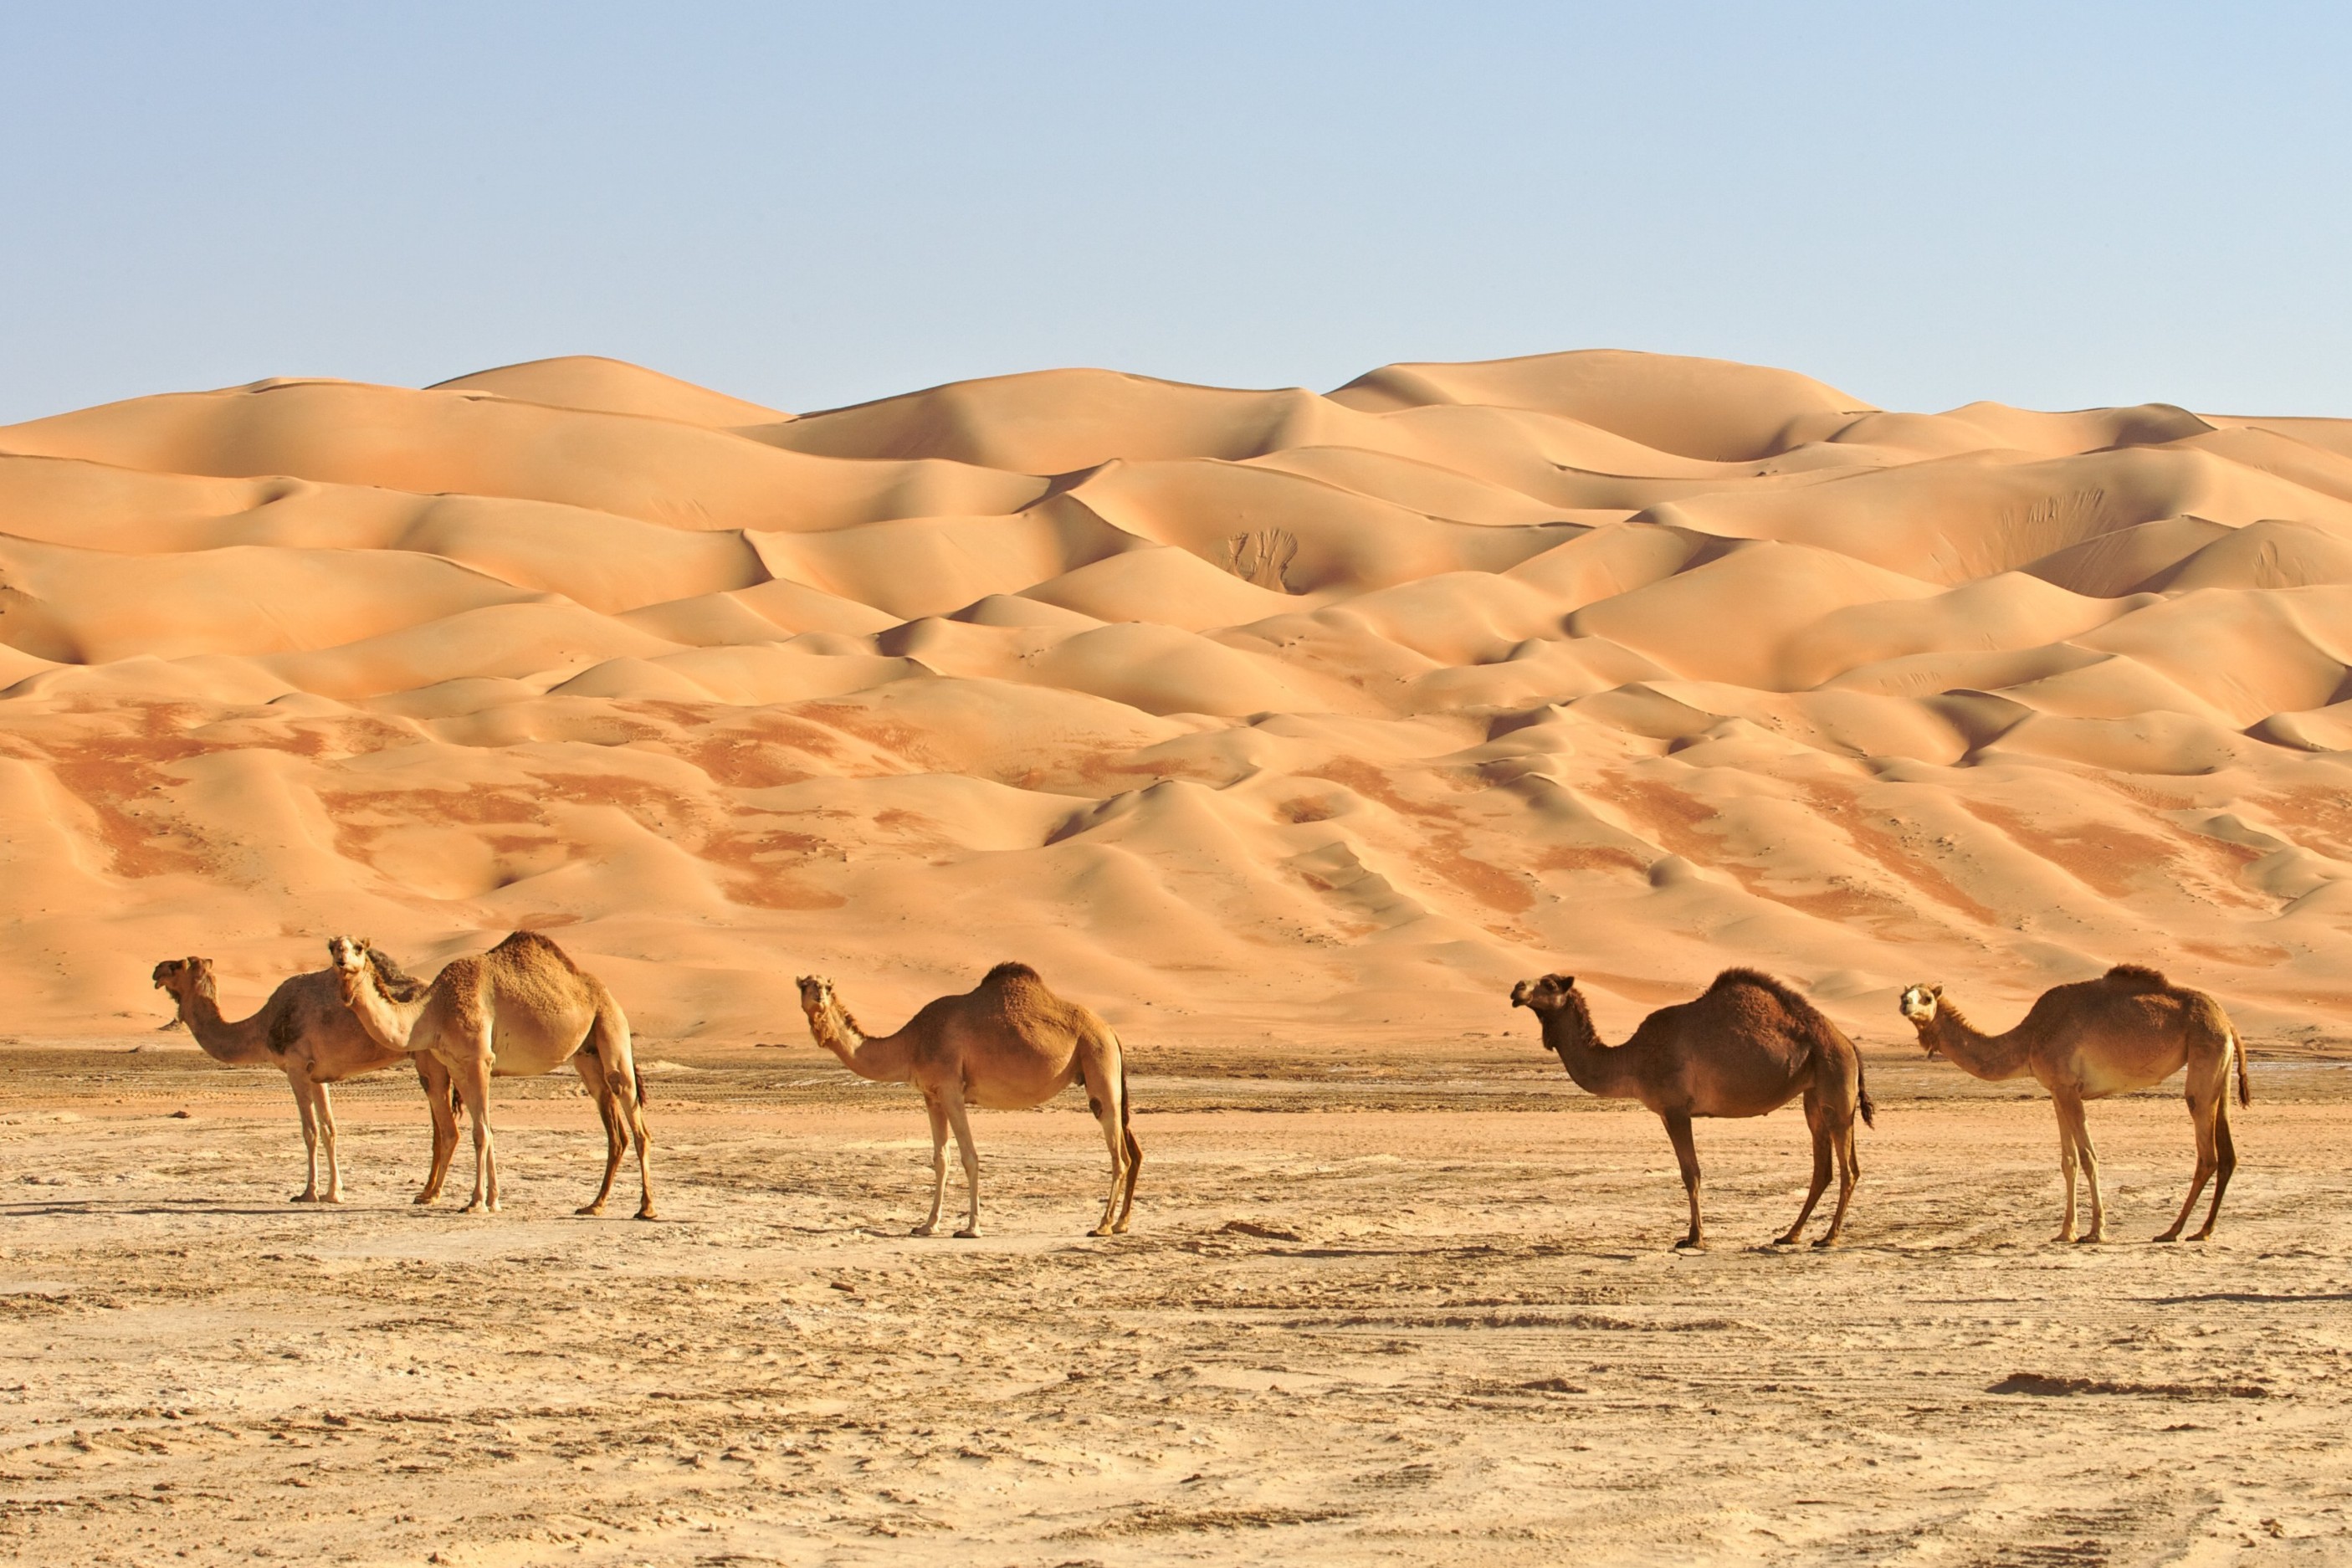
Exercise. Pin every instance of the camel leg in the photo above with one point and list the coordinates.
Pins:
(438, 1093)
(302, 1088)
(2225, 1157)
(1134, 1166)
(616, 1136)
(1678, 1131)
(2201, 1121)
(1109, 1114)
(1818, 1122)
(958, 1119)
(472, 1078)
(327, 1135)
(2066, 1165)
(1849, 1172)
(2089, 1156)
(939, 1115)
(1115, 1137)
(609, 1038)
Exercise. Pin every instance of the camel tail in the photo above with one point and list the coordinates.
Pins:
(2245, 1090)
(1862, 1093)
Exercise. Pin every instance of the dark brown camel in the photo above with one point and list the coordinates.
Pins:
(1746, 1048)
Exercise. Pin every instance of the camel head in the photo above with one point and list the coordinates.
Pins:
(817, 994)
(349, 955)
(185, 977)
(1918, 1004)
(1548, 995)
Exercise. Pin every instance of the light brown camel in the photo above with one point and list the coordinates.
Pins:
(1006, 1045)
(1747, 1047)
(519, 1010)
(304, 1031)
(2130, 1028)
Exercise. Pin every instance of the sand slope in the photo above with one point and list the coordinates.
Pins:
(1269, 707)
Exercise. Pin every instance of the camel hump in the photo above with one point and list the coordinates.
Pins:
(1780, 990)
(1011, 974)
(1810, 1023)
(2138, 977)
(528, 946)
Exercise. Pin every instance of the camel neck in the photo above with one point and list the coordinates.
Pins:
(886, 1060)
(1990, 1057)
(239, 1043)
(1597, 1068)
(381, 1019)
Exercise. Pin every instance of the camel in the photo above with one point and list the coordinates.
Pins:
(1007, 1044)
(304, 1031)
(1746, 1048)
(519, 1010)
(2130, 1028)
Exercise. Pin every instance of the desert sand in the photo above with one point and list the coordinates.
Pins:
(1283, 729)
(1424, 1311)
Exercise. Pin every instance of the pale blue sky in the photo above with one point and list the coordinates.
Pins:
(2051, 205)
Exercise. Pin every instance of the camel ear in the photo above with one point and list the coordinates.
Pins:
(1935, 991)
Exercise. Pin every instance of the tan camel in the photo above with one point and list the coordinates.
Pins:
(1746, 1048)
(1006, 1045)
(304, 1031)
(2130, 1028)
(519, 1010)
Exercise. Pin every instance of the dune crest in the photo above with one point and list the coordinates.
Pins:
(1243, 712)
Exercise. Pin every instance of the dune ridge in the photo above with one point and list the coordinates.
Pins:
(1241, 712)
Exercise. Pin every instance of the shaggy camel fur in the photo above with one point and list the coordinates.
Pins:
(521, 1009)
(1006, 1045)
(304, 1031)
(2130, 1028)
(1747, 1047)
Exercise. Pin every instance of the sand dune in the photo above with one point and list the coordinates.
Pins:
(1232, 708)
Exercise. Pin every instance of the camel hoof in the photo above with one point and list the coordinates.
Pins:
(924, 1230)
(2093, 1239)
(2167, 1236)
(590, 1209)
(1787, 1241)
(966, 1235)
(303, 1198)
(1102, 1230)
(1691, 1244)
(1821, 1242)
(646, 1213)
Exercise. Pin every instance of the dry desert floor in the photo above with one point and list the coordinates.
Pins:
(1417, 1307)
